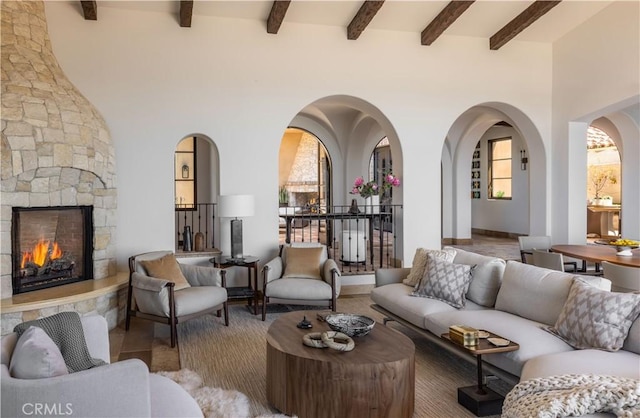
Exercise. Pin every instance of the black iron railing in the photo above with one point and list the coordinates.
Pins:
(199, 219)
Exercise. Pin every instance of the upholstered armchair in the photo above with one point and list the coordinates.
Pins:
(163, 290)
(303, 274)
(121, 389)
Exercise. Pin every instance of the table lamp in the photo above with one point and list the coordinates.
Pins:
(236, 206)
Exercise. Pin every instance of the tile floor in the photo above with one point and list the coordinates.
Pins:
(145, 338)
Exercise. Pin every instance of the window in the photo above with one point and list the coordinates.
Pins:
(499, 168)
(185, 174)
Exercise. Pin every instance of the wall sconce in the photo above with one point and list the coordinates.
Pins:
(185, 171)
(523, 160)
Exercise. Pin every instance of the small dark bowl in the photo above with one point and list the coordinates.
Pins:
(350, 324)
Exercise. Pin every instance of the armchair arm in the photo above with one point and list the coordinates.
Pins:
(115, 390)
(152, 284)
(391, 275)
(332, 275)
(272, 270)
(152, 295)
(203, 275)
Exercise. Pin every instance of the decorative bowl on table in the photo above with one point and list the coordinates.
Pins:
(623, 245)
(350, 324)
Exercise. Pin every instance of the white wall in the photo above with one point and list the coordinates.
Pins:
(596, 71)
(155, 82)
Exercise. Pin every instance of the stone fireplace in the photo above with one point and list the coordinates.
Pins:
(56, 147)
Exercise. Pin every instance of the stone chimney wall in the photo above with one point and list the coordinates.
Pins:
(56, 147)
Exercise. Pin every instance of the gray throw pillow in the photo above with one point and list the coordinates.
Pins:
(445, 281)
(36, 356)
(596, 318)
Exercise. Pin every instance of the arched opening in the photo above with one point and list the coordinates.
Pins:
(196, 165)
(482, 176)
(350, 131)
(603, 185)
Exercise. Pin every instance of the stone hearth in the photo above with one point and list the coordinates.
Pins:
(56, 147)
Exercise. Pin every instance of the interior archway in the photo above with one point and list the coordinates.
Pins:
(457, 155)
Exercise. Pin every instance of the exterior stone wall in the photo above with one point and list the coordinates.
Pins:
(56, 147)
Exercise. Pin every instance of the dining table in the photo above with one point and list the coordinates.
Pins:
(596, 253)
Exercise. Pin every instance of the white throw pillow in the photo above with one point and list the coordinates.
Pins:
(36, 356)
(420, 262)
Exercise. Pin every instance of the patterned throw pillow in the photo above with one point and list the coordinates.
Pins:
(420, 261)
(445, 281)
(596, 318)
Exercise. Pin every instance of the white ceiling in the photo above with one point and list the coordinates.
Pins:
(483, 19)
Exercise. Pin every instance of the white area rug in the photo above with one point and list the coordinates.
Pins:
(214, 402)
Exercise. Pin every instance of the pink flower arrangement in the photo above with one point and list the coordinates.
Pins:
(371, 188)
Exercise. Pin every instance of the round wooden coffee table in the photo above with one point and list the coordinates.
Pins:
(375, 379)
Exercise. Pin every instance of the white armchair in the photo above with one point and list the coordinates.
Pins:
(122, 389)
(301, 276)
(158, 299)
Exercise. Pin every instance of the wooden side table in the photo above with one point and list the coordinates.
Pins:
(479, 399)
(249, 292)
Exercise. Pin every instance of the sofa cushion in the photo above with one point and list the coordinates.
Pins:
(621, 364)
(533, 292)
(303, 263)
(632, 343)
(36, 356)
(487, 276)
(445, 281)
(594, 318)
(533, 339)
(166, 268)
(420, 262)
(396, 299)
(300, 289)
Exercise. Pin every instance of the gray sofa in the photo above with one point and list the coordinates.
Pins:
(515, 301)
(122, 389)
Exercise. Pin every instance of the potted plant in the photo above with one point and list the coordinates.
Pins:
(283, 196)
(599, 178)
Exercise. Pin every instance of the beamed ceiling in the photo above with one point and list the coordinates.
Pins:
(497, 21)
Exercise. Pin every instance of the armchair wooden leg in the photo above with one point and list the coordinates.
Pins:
(173, 334)
(226, 313)
(264, 307)
(127, 321)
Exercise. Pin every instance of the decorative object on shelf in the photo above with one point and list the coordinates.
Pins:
(199, 242)
(350, 324)
(354, 207)
(185, 171)
(236, 206)
(304, 324)
(187, 243)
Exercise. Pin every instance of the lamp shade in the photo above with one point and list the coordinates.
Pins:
(235, 205)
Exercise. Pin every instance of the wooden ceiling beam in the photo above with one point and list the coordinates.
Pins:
(276, 15)
(90, 9)
(445, 18)
(362, 19)
(532, 13)
(186, 13)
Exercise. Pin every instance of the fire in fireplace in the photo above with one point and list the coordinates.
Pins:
(51, 246)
